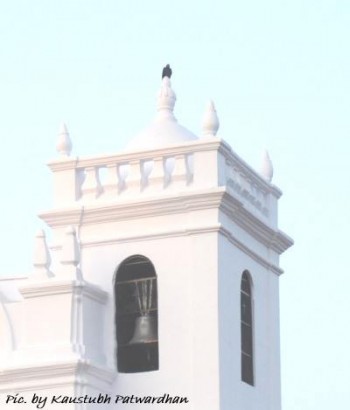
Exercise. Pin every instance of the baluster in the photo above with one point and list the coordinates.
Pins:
(122, 172)
(157, 175)
(91, 187)
(133, 179)
(146, 168)
(179, 176)
(189, 162)
(111, 185)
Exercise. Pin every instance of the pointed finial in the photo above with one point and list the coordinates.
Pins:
(266, 167)
(41, 258)
(210, 123)
(166, 100)
(64, 143)
(70, 248)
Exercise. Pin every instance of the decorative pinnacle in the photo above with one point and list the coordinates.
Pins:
(64, 143)
(266, 167)
(70, 248)
(41, 259)
(166, 100)
(210, 123)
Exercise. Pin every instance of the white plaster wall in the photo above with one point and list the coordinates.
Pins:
(93, 330)
(46, 320)
(265, 394)
(199, 273)
(186, 267)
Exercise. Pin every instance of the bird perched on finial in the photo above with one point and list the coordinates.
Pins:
(167, 71)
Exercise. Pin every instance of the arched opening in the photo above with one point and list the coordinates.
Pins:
(136, 303)
(247, 358)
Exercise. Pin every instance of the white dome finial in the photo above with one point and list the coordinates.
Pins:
(210, 123)
(165, 129)
(64, 143)
(166, 100)
(266, 167)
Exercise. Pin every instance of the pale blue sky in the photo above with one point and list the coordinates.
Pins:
(278, 72)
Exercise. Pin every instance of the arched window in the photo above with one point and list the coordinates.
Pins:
(136, 315)
(247, 362)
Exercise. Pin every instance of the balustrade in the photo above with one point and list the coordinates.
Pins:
(133, 177)
(200, 165)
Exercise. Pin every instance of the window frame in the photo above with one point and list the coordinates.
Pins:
(247, 330)
(134, 357)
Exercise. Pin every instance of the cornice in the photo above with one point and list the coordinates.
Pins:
(262, 261)
(217, 198)
(49, 287)
(189, 231)
(273, 239)
(159, 234)
(46, 375)
(215, 228)
(134, 208)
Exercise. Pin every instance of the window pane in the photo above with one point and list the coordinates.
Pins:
(245, 284)
(126, 298)
(126, 329)
(136, 316)
(138, 358)
(247, 369)
(135, 268)
(246, 309)
(246, 339)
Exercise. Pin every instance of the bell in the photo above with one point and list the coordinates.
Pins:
(145, 330)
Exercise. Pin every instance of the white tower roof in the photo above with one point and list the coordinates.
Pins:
(165, 129)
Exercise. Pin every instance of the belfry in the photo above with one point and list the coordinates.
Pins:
(160, 281)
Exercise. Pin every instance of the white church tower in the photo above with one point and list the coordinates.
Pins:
(164, 280)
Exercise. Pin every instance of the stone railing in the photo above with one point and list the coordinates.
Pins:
(203, 164)
(133, 176)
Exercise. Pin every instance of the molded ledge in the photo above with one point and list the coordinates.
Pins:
(55, 374)
(56, 287)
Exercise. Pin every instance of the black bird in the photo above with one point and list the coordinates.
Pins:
(167, 71)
